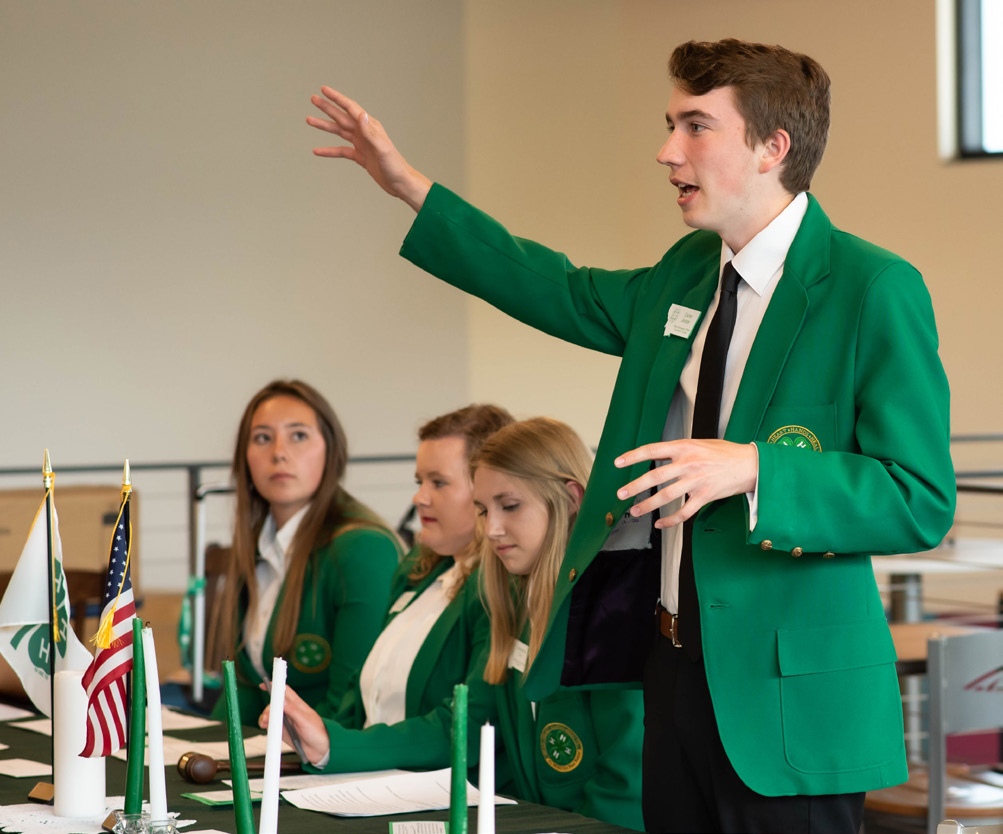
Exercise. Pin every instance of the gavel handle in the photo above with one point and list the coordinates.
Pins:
(259, 767)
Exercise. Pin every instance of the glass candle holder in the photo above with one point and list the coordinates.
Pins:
(131, 823)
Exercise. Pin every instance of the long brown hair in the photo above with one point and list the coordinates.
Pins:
(474, 423)
(544, 454)
(331, 510)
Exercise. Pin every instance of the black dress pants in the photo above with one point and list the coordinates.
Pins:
(688, 784)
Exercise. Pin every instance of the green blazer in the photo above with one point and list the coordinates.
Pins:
(455, 651)
(847, 401)
(579, 750)
(344, 597)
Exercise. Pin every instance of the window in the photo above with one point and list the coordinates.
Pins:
(978, 78)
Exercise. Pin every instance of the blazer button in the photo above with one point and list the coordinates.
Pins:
(572, 574)
(766, 544)
(796, 552)
(828, 554)
(609, 519)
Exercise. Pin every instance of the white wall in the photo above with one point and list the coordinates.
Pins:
(565, 114)
(168, 243)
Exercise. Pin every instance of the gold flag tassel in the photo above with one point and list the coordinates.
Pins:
(48, 479)
(102, 638)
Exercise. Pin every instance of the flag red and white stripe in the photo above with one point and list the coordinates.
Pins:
(105, 679)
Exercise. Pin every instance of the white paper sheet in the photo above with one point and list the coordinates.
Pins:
(9, 713)
(173, 720)
(175, 748)
(400, 794)
(316, 780)
(34, 817)
(24, 767)
(420, 827)
(36, 725)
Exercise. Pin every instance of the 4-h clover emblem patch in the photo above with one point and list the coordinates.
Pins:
(561, 747)
(311, 653)
(797, 436)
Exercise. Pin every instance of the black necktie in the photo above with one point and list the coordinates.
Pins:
(706, 417)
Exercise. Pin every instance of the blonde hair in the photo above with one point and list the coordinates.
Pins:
(544, 455)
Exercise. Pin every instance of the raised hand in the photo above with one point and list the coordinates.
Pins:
(368, 145)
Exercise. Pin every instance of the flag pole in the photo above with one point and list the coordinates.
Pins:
(44, 791)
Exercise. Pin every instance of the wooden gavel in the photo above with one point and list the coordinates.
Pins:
(202, 769)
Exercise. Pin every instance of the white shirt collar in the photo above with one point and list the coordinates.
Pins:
(759, 260)
(273, 544)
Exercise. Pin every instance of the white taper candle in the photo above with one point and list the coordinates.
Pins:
(486, 782)
(269, 821)
(154, 731)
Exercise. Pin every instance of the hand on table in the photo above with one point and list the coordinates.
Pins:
(369, 146)
(701, 470)
(306, 722)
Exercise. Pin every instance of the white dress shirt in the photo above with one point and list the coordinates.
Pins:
(270, 572)
(760, 263)
(383, 680)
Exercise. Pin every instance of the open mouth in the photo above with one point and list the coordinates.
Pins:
(687, 190)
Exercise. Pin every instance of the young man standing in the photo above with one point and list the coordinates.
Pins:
(780, 407)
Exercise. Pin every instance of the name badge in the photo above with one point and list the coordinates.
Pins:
(680, 321)
(402, 602)
(520, 654)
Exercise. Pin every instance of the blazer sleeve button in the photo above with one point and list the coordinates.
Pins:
(796, 552)
(609, 519)
(766, 544)
(828, 554)
(572, 574)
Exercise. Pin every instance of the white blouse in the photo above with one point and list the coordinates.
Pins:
(383, 680)
(273, 547)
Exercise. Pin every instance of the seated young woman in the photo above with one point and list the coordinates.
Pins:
(437, 634)
(311, 567)
(579, 750)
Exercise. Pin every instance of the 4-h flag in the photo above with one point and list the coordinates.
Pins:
(25, 630)
(105, 680)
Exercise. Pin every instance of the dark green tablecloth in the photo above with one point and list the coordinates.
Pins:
(509, 819)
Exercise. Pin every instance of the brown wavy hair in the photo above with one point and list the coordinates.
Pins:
(543, 454)
(331, 511)
(475, 424)
(774, 88)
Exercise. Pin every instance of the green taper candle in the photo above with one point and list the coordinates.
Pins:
(242, 811)
(458, 786)
(135, 762)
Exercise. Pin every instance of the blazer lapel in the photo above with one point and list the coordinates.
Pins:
(430, 651)
(672, 351)
(807, 262)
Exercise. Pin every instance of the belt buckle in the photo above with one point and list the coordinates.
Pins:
(675, 631)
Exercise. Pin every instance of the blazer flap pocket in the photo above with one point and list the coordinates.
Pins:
(808, 651)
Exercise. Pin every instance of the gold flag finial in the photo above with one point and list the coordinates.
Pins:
(126, 476)
(47, 476)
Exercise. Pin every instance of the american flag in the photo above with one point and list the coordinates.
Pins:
(105, 679)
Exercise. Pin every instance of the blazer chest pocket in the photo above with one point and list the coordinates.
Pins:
(839, 697)
(809, 427)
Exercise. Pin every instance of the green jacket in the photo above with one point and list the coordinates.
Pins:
(344, 596)
(579, 750)
(798, 655)
(455, 651)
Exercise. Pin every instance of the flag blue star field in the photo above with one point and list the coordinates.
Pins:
(105, 680)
